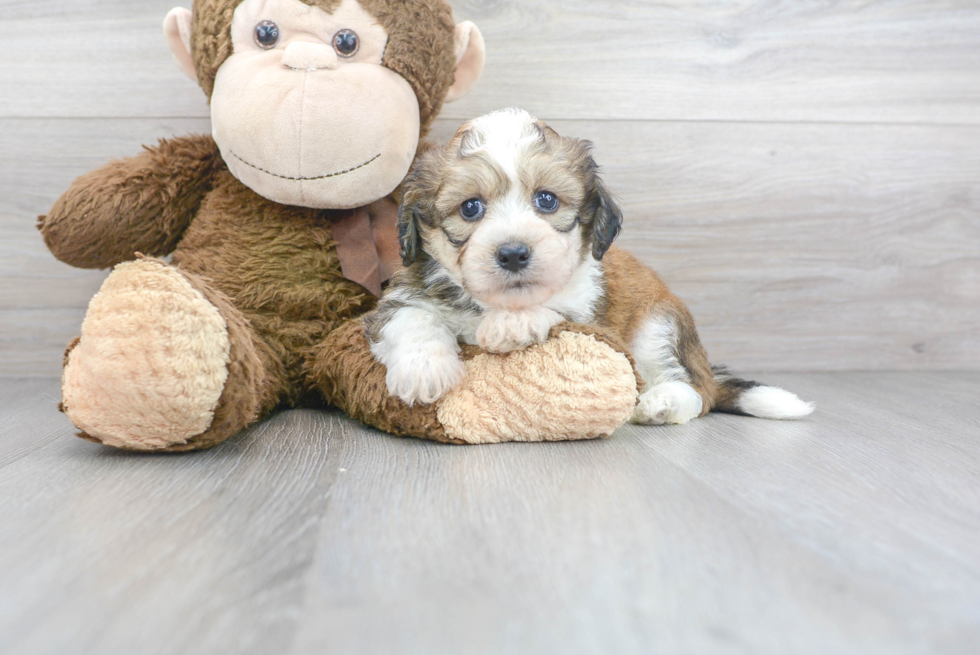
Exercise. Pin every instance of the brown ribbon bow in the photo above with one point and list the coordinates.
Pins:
(367, 243)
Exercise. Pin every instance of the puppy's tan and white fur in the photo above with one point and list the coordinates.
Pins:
(507, 231)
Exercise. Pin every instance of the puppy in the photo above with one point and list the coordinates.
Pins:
(507, 231)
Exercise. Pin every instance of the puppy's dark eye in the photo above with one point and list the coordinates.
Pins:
(267, 35)
(346, 43)
(472, 210)
(546, 202)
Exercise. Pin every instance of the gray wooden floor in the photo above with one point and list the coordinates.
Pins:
(857, 531)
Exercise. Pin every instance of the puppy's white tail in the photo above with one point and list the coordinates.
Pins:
(737, 396)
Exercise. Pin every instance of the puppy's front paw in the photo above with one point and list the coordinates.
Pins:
(502, 331)
(670, 402)
(424, 375)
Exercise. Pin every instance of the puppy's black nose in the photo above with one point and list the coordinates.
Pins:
(513, 256)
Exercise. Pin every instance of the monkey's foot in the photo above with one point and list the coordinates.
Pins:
(152, 361)
(579, 384)
(573, 386)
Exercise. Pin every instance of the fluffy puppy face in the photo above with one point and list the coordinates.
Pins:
(509, 208)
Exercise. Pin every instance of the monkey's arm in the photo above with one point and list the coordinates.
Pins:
(580, 384)
(140, 204)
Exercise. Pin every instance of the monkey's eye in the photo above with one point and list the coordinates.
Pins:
(472, 210)
(267, 35)
(546, 202)
(346, 43)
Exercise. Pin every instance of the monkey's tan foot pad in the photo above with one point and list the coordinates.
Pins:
(579, 384)
(576, 385)
(152, 361)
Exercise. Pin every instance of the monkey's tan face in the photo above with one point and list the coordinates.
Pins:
(506, 199)
(303, 111)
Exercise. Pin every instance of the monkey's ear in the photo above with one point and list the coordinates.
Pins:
(471, 54)
(177, 29)
(607, 220)
(409, 236)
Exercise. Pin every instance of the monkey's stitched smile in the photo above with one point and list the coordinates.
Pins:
(306, 179)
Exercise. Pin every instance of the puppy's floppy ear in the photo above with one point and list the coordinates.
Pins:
(417, 204)
(607, 219)
(409, 236)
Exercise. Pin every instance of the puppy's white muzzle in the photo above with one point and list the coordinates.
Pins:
(518, 260)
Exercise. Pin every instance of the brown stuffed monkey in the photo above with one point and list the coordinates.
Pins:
(282, 229)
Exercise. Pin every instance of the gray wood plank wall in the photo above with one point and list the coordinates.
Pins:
(806, 175)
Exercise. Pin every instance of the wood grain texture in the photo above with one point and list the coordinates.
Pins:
(813, 247)
(214, 546)
(854, 531)
(870, 61)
